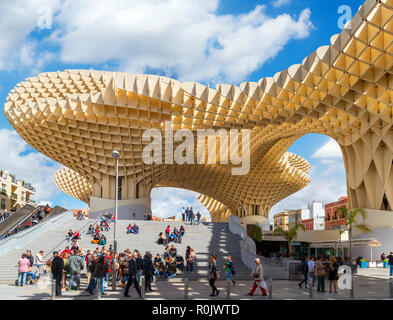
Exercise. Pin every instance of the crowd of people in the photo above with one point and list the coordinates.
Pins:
(188, 215)
(4, 215)
(316, 269)
(176, 235)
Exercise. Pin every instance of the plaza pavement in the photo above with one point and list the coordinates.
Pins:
(370, 284)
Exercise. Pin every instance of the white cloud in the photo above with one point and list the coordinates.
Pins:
(185, 38)
(168, 202)
(280, 3)
(32, 167)
(330, 150)
(19, 18)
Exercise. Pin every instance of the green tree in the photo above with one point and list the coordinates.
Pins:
(352, 216)
(289, 234)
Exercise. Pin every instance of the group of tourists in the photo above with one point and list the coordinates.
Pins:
(25, 268)
(188, 215)
(317, 268)
(4, 215)
(175, 236)
(132, 228)
(96, 231)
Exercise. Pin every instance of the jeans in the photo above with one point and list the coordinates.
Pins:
(229, 275)
(93, 286)
(22, 278)
(75, 276)
(212, 284)
(192, 220)
(321, 284)
(312, 276)
(138, 276)
(305, 279)
(391, 270)
(32, 275)
(191, 266)
(40, 269)
(199, 220)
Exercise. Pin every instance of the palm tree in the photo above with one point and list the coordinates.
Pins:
(289, 235)
(351, 217)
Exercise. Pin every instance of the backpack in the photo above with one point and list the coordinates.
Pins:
(124, 266)
(233, 270)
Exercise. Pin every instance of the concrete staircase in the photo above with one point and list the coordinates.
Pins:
(205, 239)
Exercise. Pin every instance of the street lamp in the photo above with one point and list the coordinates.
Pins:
(116, 155)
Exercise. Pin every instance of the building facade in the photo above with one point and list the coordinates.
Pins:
(333, 217)
(281, 220)
(14, 193)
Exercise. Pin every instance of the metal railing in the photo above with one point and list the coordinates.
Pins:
(21, 239)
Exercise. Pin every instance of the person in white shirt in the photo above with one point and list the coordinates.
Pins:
(311, 270)
(39, 260)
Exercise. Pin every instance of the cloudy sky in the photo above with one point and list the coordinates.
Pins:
(209, 41)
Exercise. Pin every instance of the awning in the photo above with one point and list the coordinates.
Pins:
(345, 243)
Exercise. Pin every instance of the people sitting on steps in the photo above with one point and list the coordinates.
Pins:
(160, 239)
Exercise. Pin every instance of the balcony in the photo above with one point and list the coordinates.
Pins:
(14, 196)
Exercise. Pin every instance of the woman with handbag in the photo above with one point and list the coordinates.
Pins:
(320, 274)
(257, 275)
(213, 276)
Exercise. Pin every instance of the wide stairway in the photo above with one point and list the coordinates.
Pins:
(205, 239)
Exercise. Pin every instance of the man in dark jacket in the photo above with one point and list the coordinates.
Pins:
(132, 273)
(139, 267)
(148, 270)
(57, 271)
(100, 270)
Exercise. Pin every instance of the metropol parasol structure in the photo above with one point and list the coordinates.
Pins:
(343, 90)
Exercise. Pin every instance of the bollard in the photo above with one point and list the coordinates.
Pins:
(185, 288)
(352, 291)
(310, 288)
(98, 289)
(270, 288)
(53, 288)
(391, 287)
(228, 287)
(143, 287)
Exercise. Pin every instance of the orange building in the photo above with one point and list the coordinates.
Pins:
(333, 217)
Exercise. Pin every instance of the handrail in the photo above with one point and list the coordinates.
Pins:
(15, 225)
(64, 240)
(25, 218)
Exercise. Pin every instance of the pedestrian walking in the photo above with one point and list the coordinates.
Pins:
(213, 276)
(303, 270)
(230, 269)
(75, 265)
(132, 276)
(257, 275)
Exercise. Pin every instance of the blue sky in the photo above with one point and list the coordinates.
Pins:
(210, 41)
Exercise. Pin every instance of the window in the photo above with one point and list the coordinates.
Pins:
(3, 204)
(23, 198)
